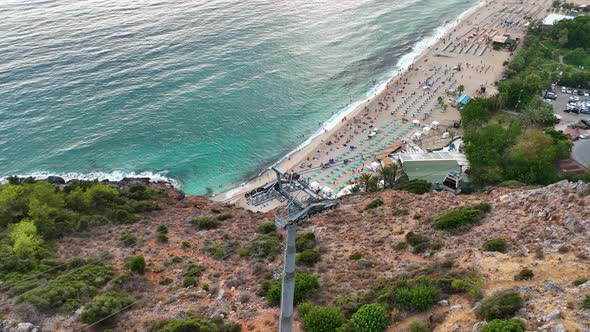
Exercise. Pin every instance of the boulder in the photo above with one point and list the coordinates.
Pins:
(558, 328)
(55, 180)
(24, 327)
(553, 315)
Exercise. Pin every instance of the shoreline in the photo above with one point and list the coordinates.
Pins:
(383, 90)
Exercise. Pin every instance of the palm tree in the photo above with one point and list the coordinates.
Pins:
(440, 100)
(444, 107)
(365, 180)
(389, 174)
(460, 89)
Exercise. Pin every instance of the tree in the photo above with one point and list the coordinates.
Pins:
(460, 89)
(538, 113)
(26, 242)
(389, 174)
(368, 182)
(440, 100)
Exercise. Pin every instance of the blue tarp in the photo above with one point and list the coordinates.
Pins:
(463, 99)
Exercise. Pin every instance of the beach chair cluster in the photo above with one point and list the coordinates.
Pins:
(338, 173)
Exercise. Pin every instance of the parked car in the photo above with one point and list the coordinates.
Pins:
(575, 92)
(563, 89)
(586, 94)
(585, 136)
(568, 91)
(585, 111)
(586, 122)
(550, 95)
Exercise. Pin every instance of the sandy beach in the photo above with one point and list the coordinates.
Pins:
(463, 56)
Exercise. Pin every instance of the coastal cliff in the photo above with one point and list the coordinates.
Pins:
(359, 249)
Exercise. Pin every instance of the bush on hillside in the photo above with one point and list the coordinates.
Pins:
(127, 239)
(305, 241)
(586, 302)
(105, 306)
(419, 298)
(457, 219)
(222, 250)
(322, 319)
(415, 239)
(370, 318)
(224, 216)
(374, 204)
(502, 305)
(498, 245)
(267, 228)
(499, 325)
(524, 274)
(136, 264)
(162, 228)
(305, 286)
(68, 291)
(206, 223)
(262, 246)
(418, 187)
(303, 309)
(308, 257)
(419, 326)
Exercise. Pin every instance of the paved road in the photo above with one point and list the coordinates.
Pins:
(581, 152)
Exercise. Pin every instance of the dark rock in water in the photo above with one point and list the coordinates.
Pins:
(55, 180)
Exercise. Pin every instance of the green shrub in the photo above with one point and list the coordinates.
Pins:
(267, 227)
(459, 285)
(374, 204)
(308, 257)
(437, 246)
(524, 274)
(415, 239)
(162, 237)
(580, 281)
(143, 206)
(185, 245)
(262, 246)
(193, 324)
(502, 305)
(303, 309)
(511, 184)
(105, 305)
(222, 250)
(206, 287)
(586, 302)
(400, 246)
(401, 212)
(370, 318)
(421, 247)
(418, 187)
(355, 256)
(80, 282)
(419, 326)
(194, 270)
(323, 319)
(206, 223)
(457, 219)
(127, 239)
(417, 216)
(162, 228)
(499, 325)
(224, 216)
(189, 282)
(165, 281)
(305, 286)
(419, 298)
(498, 245)
(136, 264)
(448, 264)
(305, 241)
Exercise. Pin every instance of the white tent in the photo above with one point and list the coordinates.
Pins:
(426, 131)
(446, 135)
(416, 122)
(435, 124)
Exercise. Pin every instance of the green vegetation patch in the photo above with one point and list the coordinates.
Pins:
(461, 219)
(206, 223)
(105, 306)
(417, 187)
(498, 245)
(308, 257)
(502, 305)
(370, 318)
(321, 319)
(374, 204)
(501, 325)
(262, 246)
(305, 286)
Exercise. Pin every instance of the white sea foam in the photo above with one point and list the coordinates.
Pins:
(101, 176)
(403, 63)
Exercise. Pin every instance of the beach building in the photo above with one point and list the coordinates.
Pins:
(462, 100)
(433, 167)
(553, 18)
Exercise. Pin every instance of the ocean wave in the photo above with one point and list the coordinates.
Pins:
(101, 176)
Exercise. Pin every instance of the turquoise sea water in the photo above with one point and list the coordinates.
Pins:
(204, 92)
